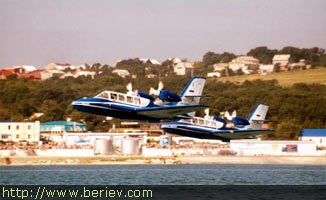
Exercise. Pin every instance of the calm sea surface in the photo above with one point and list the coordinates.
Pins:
(165, 175)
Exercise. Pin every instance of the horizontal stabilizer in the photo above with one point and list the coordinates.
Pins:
(198, 95)
(257, 120)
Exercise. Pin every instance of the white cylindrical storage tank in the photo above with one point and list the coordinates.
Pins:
(130, 146)
(103, 147)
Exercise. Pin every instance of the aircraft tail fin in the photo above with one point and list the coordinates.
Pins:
(193, 91)
(257, 117)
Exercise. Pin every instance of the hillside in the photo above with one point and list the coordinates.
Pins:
(286, 79)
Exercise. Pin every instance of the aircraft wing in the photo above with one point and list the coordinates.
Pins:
(241, 134)
(169, 111)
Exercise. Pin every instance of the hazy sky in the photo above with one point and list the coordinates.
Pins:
(38, 32)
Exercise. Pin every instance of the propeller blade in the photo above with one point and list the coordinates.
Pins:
(159, 88)
(129, 87)
(234, 114)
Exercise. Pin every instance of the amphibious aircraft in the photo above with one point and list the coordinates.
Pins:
(214, 127)
(142, 106)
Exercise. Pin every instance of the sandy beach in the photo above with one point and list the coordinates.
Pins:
(141, 160)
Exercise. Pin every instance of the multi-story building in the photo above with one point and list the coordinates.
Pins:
(245, 63)
(20, 131)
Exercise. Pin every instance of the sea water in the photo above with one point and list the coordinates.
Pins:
(164, 175)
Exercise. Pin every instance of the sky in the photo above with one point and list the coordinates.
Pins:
(38, 32)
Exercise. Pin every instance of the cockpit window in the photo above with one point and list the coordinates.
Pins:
(113, 96)
(104, 95)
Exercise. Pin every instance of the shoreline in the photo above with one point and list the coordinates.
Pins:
(160, 160)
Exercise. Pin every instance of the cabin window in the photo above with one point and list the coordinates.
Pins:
(137, 101)
(104, 95)
(114, 96)
(17, 136)
(129, 99)
(121, 98)
(17, 127)
(321, 141)
(29, 127)
(9, 127)
(201, 121)
(29, 136)
(195, 121)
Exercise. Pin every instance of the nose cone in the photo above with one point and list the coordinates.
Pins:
(79, 103)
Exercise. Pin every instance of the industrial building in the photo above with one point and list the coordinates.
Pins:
(20, 131)
(59, 127)
(279, 148)
(316, 135)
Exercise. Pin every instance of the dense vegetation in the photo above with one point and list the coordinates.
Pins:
(292, 108)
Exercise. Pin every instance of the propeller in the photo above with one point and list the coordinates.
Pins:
(129, 88)
(156, 92)
(230, 117)
(207, 114)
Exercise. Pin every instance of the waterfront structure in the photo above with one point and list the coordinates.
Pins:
(316, 135)
(59, 127)
(20, 131)
(260, 147)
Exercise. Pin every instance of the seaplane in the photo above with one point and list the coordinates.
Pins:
(215, 127)
(136, 105)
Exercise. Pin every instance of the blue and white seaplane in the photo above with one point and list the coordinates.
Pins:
(137, 105)
(214, 127)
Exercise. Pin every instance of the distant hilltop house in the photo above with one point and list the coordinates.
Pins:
(214, 74)
(79, 72)
(244, 63)
(281, 59)
(46, 74)
(175, 61)
(23, 69)
(121, 72)
(151, 61)
(183, 68)
(219, 67)
(266, 69)
(63, 67)
(4, 73)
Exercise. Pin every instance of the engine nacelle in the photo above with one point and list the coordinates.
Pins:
(145, 95)
(220, 119)
(240, 121)
(169, 96)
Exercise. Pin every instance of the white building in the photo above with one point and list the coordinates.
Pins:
(266, 69)
(220, 66)
(259, 147)
(316, 135)
(183, 68)
(153, 61)
(214, 74)
(51, 73)
(245, 63)
(121, 72)
(23, 69)
(20, 131)
(281, 59)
